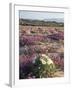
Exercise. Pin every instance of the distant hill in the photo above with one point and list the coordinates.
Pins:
(47, 22)
(59, 20)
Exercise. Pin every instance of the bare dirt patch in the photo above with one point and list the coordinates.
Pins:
(59, 74)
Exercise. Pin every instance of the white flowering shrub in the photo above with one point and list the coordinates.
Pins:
(43, 67)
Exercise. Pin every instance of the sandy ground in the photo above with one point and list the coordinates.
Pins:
(59, 74)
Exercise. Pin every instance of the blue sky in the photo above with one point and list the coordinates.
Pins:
(40, 15)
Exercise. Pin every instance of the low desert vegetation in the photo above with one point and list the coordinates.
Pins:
(41, 49)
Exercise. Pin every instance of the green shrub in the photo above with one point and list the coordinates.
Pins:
(43, 67)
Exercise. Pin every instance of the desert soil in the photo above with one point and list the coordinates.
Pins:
(59, 74)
